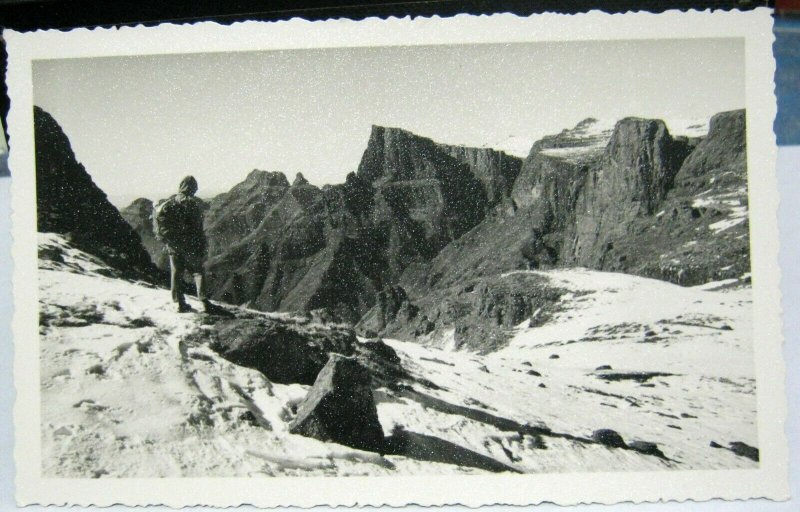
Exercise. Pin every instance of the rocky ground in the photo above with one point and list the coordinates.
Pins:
(623, 373)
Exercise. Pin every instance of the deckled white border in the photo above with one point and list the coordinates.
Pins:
(770, 480)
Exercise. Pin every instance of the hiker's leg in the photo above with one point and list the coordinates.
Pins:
(176, 277)
(199, 282)
(194, 265)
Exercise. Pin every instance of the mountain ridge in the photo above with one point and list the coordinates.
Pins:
(421, 215)
(70, 203)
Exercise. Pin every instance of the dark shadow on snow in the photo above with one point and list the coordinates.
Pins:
(434, 449)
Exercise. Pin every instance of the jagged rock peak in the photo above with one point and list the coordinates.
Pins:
(731, 121)
(394, 154)
(141, 204)
(299, 180)
(267, 178)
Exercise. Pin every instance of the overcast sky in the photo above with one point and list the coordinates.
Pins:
(139, 124)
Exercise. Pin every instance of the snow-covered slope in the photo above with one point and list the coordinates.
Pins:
(591, 136)
(587, 138)
(130, 388)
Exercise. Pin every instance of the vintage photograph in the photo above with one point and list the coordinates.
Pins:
(396, 260)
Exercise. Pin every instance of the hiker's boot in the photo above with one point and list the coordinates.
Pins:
(184, 307)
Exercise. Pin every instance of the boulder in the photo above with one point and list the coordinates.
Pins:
(646, 448)
(608, 437)
(383, 363)
(744, 450)
(283, 352)
(340, 407)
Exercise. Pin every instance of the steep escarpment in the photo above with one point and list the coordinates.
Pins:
(68, 202)
(422, 186)
(630, 199)
(631, 180)
(700, 231)
(301, 248)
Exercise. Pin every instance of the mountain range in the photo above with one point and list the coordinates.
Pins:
(419, 223)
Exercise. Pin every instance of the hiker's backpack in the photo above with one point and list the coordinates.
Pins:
(165, 219)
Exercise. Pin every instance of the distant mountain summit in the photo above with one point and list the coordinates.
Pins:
(587, 139)
(69, 203)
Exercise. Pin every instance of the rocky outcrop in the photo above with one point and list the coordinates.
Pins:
(699, 231)
(139, 214)
(284, 353)
(496, 170)
(480, 313)
(301, 248)
(236, 214)
(723, 150)
(632, 179)
(340, 407)
(68, 202)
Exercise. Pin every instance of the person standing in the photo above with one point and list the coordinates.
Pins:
(179, 222)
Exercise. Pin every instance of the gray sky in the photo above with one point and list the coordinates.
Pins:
(139, 124)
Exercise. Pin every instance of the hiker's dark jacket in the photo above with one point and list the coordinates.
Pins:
(180, 226)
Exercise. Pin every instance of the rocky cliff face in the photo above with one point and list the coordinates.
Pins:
(630, 199)
(298, 247)
(496, 170)
(632, 178)
(436, 196)
(139, 214)
(234, 215)
(700, 231)
(68, 202)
